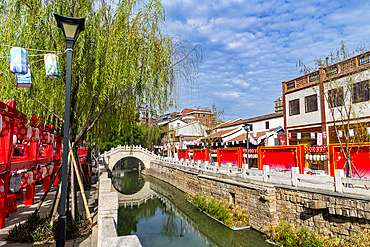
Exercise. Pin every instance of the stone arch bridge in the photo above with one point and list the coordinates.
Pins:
(111, 157)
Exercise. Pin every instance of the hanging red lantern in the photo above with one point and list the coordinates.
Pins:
(44, 137)
(24, 179)
(30, 177)
(44, 172)
(49, 139)
(35, 134)
(22, 131)
(36, 175)
(4, 125)
(2, 188)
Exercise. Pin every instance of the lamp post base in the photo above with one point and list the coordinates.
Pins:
(61, 231)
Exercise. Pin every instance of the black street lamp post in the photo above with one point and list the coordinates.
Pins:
(71, 27)
(247, 128)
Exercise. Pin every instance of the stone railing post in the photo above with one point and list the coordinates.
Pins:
(228, 169)
(266, 168)
(295, 172)
(339, 174)
(216, 164)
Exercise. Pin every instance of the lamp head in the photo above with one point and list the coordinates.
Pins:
(71, 27)
(247, 126)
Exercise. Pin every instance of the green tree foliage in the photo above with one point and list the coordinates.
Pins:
(121, 60)
(137, 134)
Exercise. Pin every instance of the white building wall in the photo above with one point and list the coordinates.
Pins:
(303, 118)
(273, 123)
(359, 110)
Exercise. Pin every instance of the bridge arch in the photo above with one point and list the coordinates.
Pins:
(120, 152)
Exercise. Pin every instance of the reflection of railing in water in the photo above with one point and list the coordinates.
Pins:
(136, 202)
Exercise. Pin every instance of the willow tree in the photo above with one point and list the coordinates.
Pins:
(122, 60)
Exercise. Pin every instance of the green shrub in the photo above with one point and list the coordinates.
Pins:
(37, 229)
(229, 214)
(288, 236)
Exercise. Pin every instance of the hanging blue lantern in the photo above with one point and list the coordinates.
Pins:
(24, 80)
(18, 61)
(52, 66)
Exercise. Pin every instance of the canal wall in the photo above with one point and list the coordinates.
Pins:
(107, 215)
(329, 213)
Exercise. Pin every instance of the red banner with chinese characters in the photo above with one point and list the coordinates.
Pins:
(282, 159)
(234, 156)
(183, 154)
(200, 154)
(282, 140)
(360, 156)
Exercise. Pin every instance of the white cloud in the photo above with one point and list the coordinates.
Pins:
(252, 46)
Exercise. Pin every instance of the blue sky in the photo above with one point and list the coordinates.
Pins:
(252, 46)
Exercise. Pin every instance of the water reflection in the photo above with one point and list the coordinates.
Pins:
(160, 216)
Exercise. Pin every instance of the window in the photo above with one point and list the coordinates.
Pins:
(311, 103)
(336, 97)
(267, 125)
(360, 91)
(290, 85)
(331, 71)
(204, 115)
(294, 107)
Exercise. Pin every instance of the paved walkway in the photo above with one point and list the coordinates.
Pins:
(23, 212)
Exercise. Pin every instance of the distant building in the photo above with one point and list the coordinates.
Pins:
(146, 115)
(188, 116)
(279, 105)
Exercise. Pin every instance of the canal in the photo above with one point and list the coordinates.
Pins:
(159, 215)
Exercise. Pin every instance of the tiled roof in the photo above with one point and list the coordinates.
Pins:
(220, 133)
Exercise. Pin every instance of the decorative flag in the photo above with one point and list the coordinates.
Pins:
(340, 133)
(232, 142)
(299, 136)
(368, 130)
(282, 141)
(216, 144)
(319, 139)
(289, 136)
(275, 135)
(313, 135)
(351, 132)
(254, 134)
(324, 135)
(237, 142)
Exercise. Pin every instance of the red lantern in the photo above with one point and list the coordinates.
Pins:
(4, 125)
(49, 139)
(22, 131)
(29, 134)
(44, 172)
(2, 188)
(30, 177)
(44, 137)
(24, 179)
(36, 175)
(50, 169)
(35, 134)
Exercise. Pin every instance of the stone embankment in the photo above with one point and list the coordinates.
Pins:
(338, 214)
(107, 215)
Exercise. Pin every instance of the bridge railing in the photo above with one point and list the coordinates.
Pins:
(130, 149)
(323, 182)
